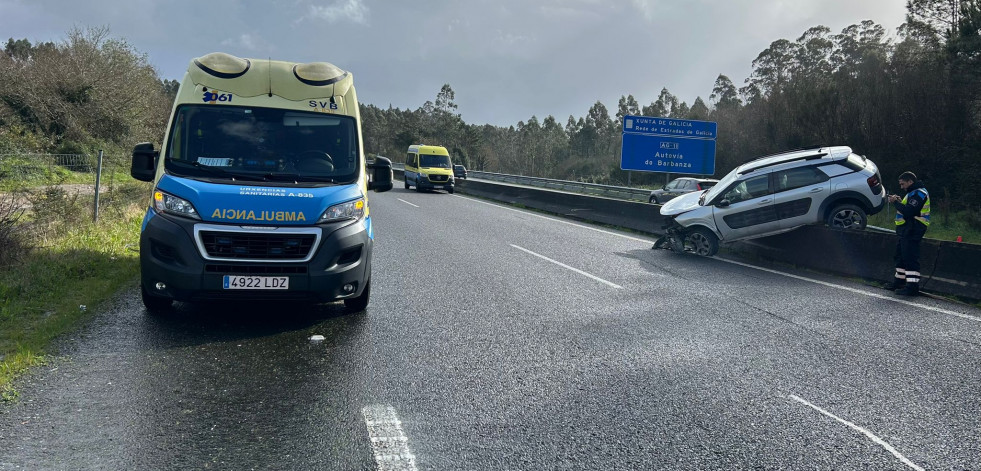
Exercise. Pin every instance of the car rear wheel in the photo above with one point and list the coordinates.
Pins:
(847, 217)
(703, 242)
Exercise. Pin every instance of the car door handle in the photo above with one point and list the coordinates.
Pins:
(765, 201)
(817, 190)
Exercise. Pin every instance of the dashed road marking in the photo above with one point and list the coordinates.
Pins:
(568, 267)
(406, 202)
(388, 442)
(861, 430)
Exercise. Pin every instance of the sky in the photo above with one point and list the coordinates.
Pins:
(506, 60)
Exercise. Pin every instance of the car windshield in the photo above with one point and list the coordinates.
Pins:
(262, 144)
(434, 161)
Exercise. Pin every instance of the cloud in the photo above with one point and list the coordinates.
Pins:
(350, 10)
(249, 43)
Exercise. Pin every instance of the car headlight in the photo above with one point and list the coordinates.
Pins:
(170, 204)
(340, 212)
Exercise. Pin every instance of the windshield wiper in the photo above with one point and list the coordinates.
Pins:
(295, 177)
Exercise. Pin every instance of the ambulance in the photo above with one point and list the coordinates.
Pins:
(260, 188)
(428, 168)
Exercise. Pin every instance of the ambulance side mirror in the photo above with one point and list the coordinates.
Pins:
(144, 166)
(381, 174)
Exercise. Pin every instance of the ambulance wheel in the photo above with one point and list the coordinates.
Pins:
(449, 190)
(406, 181)
(155, 304)
(359, 303)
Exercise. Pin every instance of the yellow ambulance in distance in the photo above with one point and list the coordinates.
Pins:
(428, 168)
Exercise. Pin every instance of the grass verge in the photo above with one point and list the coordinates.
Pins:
(962, 224)
(65, 270)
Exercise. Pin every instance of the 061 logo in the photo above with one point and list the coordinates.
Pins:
(216, 96)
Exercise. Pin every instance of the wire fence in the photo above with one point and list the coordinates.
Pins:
(81, 174)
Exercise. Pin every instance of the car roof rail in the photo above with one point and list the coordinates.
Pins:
(773, 161)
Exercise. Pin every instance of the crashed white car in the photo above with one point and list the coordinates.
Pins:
(774, 194)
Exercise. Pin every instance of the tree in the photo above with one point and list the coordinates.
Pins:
(627, 106)
(935, 19)
(89, 91)
(724, 93)
(771, 69)
(698, 110)
(444, 99)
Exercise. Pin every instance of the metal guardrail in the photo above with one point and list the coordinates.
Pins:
(619, 192)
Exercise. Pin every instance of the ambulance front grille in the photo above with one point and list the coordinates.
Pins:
(257, 246)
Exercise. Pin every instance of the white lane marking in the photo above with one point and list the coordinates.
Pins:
(568, 267)
(832, 285)
(406, 202)
(529, 213)
(388, 442)
(861, 430)
(858, 291)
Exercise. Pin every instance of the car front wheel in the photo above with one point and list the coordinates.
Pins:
(847, 217)
(653, 200)
(703, 242)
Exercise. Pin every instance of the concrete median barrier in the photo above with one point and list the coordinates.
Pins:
(628, 214)
(948, 268)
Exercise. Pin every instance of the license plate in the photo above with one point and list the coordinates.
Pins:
(256, 282)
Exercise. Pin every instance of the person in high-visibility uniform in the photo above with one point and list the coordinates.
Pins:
(912, 221)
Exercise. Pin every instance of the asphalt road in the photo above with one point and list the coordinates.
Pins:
(499, 338)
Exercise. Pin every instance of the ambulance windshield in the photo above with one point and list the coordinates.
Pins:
(434, 161)
(262, 144)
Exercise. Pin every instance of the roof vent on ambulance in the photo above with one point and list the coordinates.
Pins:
(222, 65)
(318, 73)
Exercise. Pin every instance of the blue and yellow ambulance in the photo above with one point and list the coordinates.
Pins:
(260, 187)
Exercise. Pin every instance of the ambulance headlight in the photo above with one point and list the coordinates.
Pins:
(170, 204)
(344, 211)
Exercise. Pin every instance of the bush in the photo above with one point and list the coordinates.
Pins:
(12, 239)
(972, 217)
(53, 207)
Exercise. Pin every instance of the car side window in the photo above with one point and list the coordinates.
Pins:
(799, 177)
(748, 189)
(671, 185)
